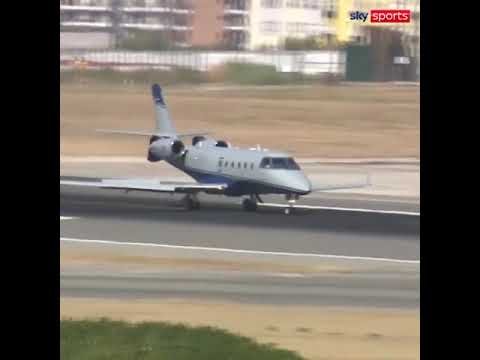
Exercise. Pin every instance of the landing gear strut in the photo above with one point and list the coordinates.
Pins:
(291, 199)
(190, 202)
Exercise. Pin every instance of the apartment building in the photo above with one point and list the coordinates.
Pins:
(272, 21)
(220, 23)
(204, 23)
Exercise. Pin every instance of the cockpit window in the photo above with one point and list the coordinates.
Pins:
(279, 163)
(266, 163)
(292, 165)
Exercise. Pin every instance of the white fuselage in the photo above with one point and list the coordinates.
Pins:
(246, 171)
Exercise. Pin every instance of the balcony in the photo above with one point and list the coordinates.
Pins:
(149, 10)
(233, 11)
(86, 24)
(85, 8)
(235, 27)
(142, 26)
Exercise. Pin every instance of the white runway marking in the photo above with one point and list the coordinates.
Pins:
(66, 218)
(239, 251)
(311, 207)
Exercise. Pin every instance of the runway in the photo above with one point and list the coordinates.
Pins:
(267, 235)
(382, 290)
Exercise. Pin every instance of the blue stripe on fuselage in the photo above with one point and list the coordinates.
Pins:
(207, 178)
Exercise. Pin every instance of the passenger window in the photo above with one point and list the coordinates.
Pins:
(233, 164)
(251, 166)
(220, 163)
(239, 165)
(245, 165)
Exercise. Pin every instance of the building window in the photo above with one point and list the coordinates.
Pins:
(311, 4)
(296, 27)
(293, 3)
(272, 4)
(270, 26)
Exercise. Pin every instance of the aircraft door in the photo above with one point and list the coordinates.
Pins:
(220, 164)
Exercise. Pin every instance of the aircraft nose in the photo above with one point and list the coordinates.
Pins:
(305, 185)
(302, 184)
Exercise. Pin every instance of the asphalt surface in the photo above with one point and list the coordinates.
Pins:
(221, 223)
(381, 290)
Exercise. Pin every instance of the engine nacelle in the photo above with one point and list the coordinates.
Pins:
(197, 139)
(222, 143)
(162, 149)
(201, 141)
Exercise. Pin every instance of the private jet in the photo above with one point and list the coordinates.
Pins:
(216, 166)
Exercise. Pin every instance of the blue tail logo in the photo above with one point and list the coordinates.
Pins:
(157, 95)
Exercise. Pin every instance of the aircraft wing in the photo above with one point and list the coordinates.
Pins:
(148, 185)
(355, 185)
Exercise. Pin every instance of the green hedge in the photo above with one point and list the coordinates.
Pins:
(115, 340)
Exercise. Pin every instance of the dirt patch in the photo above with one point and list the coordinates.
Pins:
(320, 121)
(326, 333)
(79, 257)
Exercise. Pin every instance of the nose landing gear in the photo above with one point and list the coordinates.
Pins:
(291, 200)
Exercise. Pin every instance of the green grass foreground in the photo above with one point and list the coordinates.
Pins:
(106, 339)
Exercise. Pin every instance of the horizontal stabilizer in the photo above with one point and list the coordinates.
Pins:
(150, 133)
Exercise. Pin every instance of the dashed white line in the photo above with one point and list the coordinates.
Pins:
(239, 251)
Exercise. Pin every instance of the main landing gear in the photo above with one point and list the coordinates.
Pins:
(190, 202)
(251, 203)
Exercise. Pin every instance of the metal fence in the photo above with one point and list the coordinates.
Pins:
(305, 62)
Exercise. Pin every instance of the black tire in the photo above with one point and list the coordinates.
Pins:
(196, 205)
(249, 205)
(188, 204)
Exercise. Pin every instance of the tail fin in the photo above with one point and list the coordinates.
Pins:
(163, 123)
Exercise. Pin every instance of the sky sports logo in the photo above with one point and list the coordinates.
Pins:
(382, 16)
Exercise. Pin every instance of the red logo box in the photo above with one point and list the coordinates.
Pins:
(390, 16)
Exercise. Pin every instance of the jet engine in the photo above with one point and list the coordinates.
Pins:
(197, 139)
(164, 148)
(222, 143)
(201, 141)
